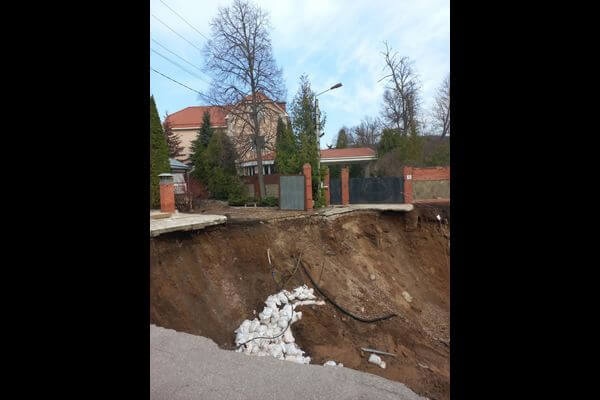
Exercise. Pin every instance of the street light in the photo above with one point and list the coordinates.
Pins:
(318, 129)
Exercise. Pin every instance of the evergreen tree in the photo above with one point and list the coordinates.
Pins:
(222, 181)
(206, 131)
(303, 123)
(198, 149)
(390, 139)
(286, 150)
(173, 141)
(342, 139)
(159, 155)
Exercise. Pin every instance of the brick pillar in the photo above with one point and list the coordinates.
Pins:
(167, 193)
(408, 180)
(345, 174)
(308, 200)
(327, 192)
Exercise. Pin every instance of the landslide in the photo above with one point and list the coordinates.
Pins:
(370, 263)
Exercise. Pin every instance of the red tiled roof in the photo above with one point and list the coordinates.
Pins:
(332, 153)
(349, 152)
(265, 157)
(191, 117)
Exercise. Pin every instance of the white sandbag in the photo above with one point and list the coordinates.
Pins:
(254, 325)
(288, 336)
(262, 330)
(286, 311)
(283, 323)
(375, 359)
(240, 338)
(265, 314)
(297, 316)
(299, 293)
(293, 349)
(244, 327)
(282, 298)
(275, 350)
(290, 295)
(275, 315)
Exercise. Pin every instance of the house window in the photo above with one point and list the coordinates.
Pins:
(269, 169)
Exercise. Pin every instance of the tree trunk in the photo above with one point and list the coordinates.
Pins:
(261, 179)
(259, 146)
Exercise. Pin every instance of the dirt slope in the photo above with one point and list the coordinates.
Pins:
(208, 282)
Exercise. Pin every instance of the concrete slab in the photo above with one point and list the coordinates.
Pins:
(329, 212)
(184, 366)
(383, 207)
(183, 222)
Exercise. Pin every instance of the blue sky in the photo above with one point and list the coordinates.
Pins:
(329, 40)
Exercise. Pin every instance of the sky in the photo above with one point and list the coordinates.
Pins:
(330, 41)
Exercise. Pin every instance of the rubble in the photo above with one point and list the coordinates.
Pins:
(270, 334)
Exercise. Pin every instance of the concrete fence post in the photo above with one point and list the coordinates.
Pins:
(308, 200)
(345, 175)
(167, 193)
(408, 181)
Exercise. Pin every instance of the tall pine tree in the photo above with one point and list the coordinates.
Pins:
(198, 149)
(173, 141)
(303, 122)
(206, 131)
(286, 150)
(221, 177)
(159, 155)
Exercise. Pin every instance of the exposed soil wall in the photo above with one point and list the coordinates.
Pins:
(207, 283)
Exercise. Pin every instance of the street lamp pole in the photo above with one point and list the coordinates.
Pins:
(318, 130)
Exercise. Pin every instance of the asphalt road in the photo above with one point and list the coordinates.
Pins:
(184, 366)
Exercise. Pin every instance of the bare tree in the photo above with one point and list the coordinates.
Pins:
(368, 132)
(441, 108)
(401, 96)
(246, 80)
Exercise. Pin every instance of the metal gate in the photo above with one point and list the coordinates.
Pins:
(335, 191)
(377, 190)
(291, 192)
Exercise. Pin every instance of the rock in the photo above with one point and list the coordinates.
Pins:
(372, 277)
(407, 296)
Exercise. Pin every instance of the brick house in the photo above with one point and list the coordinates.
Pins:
(233, 121)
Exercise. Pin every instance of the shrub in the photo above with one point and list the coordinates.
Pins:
(270, 202)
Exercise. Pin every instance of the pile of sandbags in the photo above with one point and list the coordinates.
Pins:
(272, 321)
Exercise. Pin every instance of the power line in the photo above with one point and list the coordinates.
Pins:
(172, 30)
(175, 12)
(179, 83)
(164, 47)
(173, 62)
